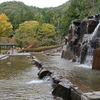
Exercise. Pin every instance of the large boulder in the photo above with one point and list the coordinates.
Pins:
(63, 90)
(92, 23)
(75, 93)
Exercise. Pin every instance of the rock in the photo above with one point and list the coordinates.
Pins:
(83, 54)
(63, 90)
(43, 72)
(67, 54)
(82, 39)
(75, 93)
(83, 29)
(37, 63)
(92, 23)
(58, 76)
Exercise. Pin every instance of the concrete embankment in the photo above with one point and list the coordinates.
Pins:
(3, 57)
(62, 87)
(15, 53)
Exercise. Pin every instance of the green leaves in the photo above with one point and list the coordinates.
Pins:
(79, 9)
(30, 31)
(46, 31)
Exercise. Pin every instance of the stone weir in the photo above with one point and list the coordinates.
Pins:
(62, 87)
(83, 42)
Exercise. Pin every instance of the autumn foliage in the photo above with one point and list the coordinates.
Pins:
(5, 26)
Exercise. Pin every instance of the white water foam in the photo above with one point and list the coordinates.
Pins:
(35, 81)
(84, 66)
(95, 32)
(45, 79)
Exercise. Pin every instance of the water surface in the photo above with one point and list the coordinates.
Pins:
(19, 81)
(82, 73)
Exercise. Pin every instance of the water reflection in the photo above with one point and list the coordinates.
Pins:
(12, 66)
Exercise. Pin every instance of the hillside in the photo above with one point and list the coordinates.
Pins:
(60, 16)
(18, 12)
(79, 9)
(15, 7)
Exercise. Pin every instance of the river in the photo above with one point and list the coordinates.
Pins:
(19, 79)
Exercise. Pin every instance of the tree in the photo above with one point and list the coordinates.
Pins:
(5, 26)
(26, 32)
(22, 17)
(46, 31)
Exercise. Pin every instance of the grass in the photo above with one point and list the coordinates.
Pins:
(39, 49)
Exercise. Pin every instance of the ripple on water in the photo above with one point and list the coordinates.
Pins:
(13, 79)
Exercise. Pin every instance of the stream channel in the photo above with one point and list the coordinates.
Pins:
(19, 79)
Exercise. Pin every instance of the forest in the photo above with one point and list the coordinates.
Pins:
(42, 26)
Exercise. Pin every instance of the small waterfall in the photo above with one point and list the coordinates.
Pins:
(45, 79)
(35, 82)
(89, 57)
(73, 28)
(94, 34)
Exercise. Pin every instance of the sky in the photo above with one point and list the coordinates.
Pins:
(40, 3)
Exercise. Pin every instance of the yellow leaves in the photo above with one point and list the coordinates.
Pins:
(31, 22)
(27, 26)
(5, 27)
(3, 17)
(27, 29)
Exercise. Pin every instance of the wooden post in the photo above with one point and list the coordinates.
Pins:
(96, 59)
(12, 50)
(0, 49)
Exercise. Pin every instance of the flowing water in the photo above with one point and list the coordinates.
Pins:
(82, 73)
(19, 79)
